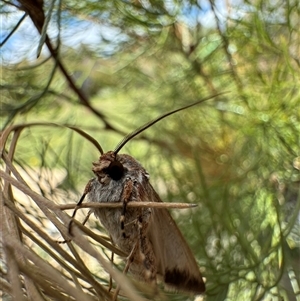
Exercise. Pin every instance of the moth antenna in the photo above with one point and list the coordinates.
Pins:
(87, 136)
(152, 122)
(74, 213)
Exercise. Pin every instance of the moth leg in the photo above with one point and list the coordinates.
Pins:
(86, 191)
(141, 256)
(87, 217)
(142, 260)
(145, 246)
(125, 198)
(83, 223)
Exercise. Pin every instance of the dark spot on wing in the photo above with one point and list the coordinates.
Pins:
(182, 280)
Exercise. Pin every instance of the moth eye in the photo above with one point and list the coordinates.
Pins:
(115, 170)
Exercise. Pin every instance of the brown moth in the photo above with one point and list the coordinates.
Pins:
(150, 236)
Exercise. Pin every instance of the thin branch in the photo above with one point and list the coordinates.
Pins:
(13, 30)
(131, 204)
(37, 16)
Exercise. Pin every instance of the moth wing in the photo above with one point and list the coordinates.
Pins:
(175, 260)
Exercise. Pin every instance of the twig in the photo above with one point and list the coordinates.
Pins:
(13, 30)
(131, 204)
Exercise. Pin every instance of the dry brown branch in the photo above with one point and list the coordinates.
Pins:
(130, 205)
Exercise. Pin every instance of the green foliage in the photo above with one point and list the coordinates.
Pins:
(236, 156)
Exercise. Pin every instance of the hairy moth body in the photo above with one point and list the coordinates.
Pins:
(156, 244)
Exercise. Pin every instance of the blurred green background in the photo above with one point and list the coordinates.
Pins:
(236, 156)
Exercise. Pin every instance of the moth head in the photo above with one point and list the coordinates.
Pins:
(115, 170)
(108, 166)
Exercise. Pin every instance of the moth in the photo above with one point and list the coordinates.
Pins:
(150, 236)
